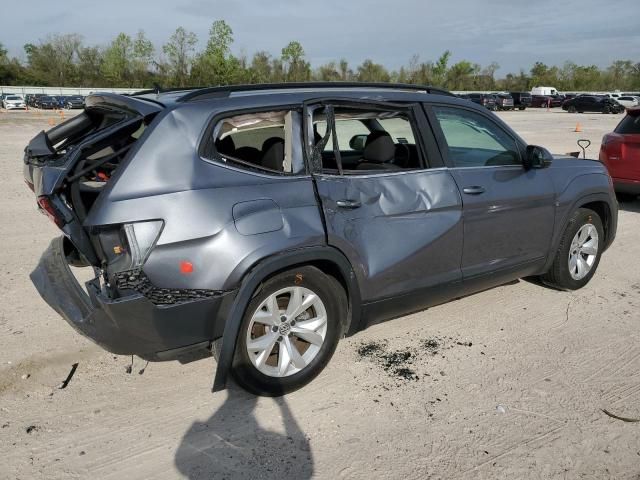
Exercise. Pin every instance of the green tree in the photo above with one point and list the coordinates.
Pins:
(180, 51)
(216, 65)
(440, 69)
(260, 70)
(459, 76)
(372, 72)
(116, 65)
(295, 67)
(89, 67)
(142, 59)
(328, 72)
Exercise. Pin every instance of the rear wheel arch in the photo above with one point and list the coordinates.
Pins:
(327, 259)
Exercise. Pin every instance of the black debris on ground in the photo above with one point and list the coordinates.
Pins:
(394, 362)
(398, 363)
(431, 345)
(64, 384)
(31, 428)
(371, 349)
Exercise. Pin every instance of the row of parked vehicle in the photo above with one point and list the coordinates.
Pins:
(12, 101)
(571, 102)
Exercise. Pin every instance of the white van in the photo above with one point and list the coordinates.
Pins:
(550, 91)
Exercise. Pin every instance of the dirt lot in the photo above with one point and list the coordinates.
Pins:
(509, 383)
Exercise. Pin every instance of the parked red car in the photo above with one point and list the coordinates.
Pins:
(620, 152)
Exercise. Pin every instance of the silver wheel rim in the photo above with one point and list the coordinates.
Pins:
(286, 331)
(583, 251)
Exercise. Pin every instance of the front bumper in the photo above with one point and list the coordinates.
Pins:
(130, 325)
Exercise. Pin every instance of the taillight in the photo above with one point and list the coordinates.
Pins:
(47, 207)
(142, 237)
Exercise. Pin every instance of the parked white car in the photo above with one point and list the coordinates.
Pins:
(547, 91)
(13, 102)
(628, 101)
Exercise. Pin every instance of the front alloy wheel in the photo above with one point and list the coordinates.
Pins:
(579, 251)
(583, 251)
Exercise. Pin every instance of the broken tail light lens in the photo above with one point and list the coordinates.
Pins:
(47, 207)
(142, 237)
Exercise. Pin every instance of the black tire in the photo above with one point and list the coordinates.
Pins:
(571, 109)
(334, 299)
(606, 110)
(558, 275)
(522, 108)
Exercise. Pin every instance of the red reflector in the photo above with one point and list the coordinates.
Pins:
(186, 268)
(50, 211)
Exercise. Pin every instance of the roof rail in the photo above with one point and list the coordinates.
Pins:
(225, 91)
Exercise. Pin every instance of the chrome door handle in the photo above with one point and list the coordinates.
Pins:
(348, 204)
(475, 190)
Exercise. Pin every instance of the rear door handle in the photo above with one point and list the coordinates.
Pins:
(348, 204)
(475, 190)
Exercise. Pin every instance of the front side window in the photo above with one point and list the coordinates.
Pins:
(268, 141)
(475, 141)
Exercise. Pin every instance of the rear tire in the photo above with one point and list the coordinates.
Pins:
(572, 109)
(275, 354)
(578, 254)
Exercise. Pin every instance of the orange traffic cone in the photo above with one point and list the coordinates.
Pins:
(578, 127)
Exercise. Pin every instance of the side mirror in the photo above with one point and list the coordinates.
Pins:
(537, 157)
(357, 142)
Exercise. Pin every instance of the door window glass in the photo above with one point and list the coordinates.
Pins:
(475, 141)
(366, 140)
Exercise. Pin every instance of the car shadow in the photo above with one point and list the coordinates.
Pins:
(630, 206)
(232, 444)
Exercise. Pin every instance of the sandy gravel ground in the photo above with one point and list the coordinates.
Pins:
(506, 384)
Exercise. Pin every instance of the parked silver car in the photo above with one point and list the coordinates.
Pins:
(265, 222)
(12, 102)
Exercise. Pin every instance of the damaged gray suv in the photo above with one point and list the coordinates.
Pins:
(263, 223)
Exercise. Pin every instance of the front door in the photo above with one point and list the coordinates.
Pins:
(397, 220)
(508, 211)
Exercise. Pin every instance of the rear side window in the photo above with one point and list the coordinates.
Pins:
(264, 141)
(474, 141)
(629, 125)
(366, 139)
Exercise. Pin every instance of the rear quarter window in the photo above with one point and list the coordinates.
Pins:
(629, 125)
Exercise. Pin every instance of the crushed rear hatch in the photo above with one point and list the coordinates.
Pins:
(68, 166)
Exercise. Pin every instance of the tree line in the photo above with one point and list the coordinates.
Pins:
(133, 61)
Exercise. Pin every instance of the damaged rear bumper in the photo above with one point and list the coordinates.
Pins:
(130, 325)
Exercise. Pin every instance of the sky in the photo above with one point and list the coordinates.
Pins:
(513, 33)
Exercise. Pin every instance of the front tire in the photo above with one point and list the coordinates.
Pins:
(578, 254)
(289, 331)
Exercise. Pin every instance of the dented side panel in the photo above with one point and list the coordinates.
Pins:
(405, 235)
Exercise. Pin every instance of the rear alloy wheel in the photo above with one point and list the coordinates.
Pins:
(579, 252)
(289, 332)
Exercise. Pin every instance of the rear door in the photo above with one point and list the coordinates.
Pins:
(508, 211)
(400, 222)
